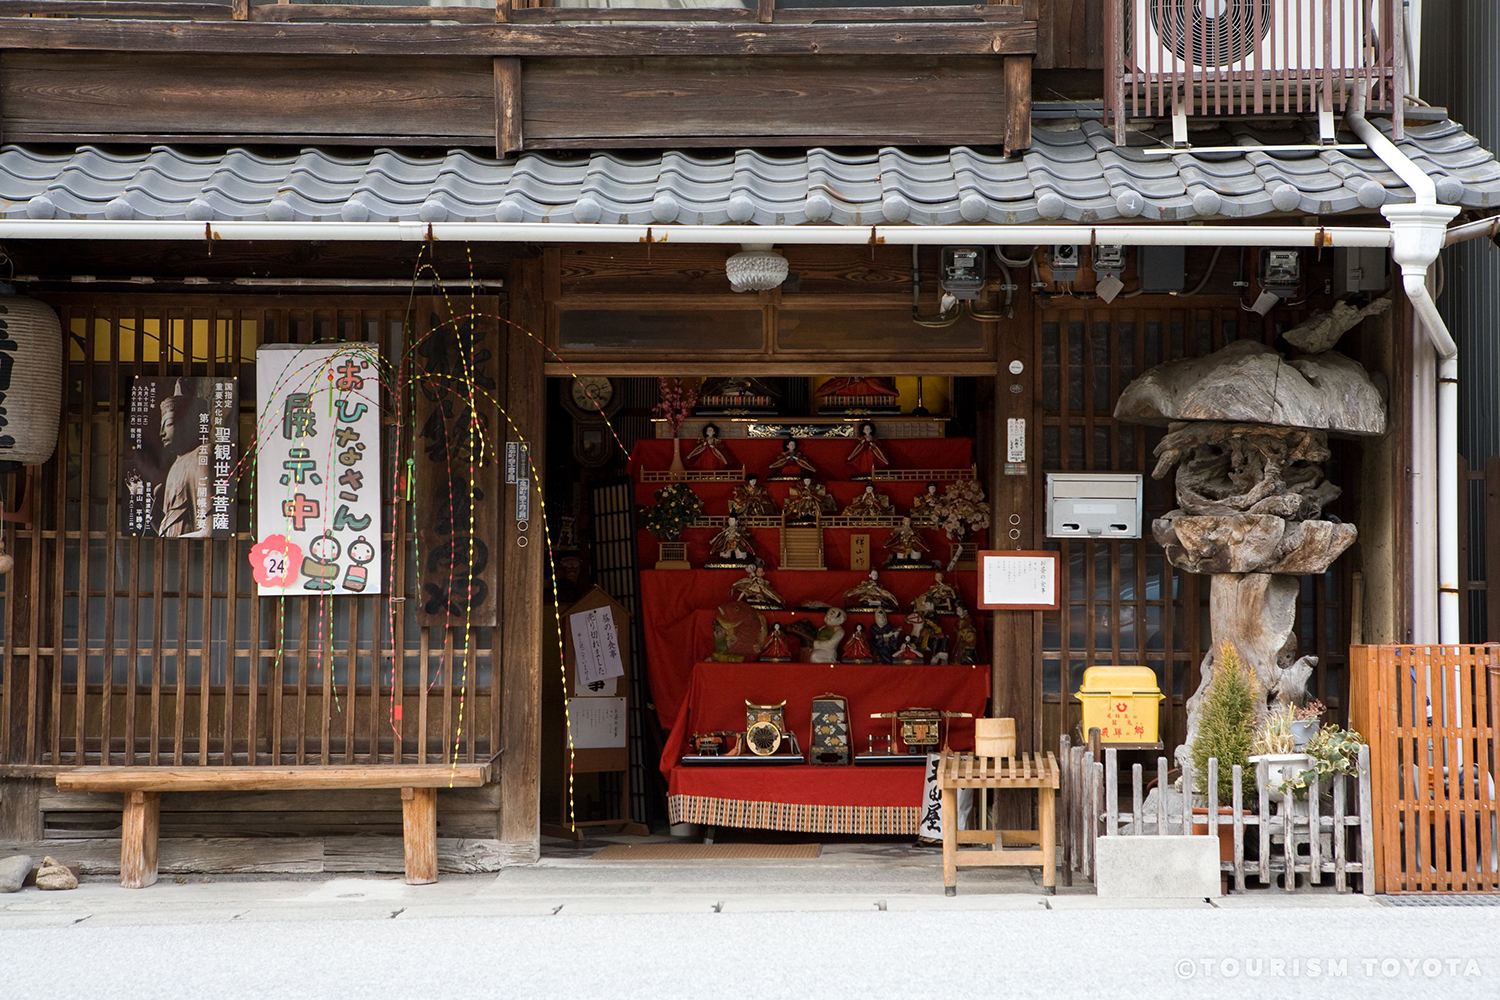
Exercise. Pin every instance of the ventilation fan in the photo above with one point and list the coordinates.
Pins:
(1177, 36)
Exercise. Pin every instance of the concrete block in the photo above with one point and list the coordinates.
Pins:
(1156, 867)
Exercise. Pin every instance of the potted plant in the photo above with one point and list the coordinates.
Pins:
(676, 508)
(962, 509)
(1226, 732)
(676, 405)
(1276, 745)
(1305, 722)
(1332, 751)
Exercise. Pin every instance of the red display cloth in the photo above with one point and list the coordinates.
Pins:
(833, 474)
(678, 622)
(716, 700)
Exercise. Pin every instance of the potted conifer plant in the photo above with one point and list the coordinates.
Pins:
(1226, 732)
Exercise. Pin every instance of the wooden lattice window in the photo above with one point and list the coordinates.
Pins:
(180, 661)
(1122, 602)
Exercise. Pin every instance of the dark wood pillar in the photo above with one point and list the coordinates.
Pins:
(1016, 671)
(524, 587)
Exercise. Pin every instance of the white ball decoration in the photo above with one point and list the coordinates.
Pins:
(756, 270)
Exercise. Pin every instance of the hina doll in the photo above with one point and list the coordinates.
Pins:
(755, 590)
(778, 648)
(857, 649)
(906, 547)
(885, 635)
(942, 597)
(908, 652)
(927, 633)
(732, 547)
(825, 648)
(925, 506)
(867, 455)
(792, 463)
(867, 595)
(751, 499)
(966, 646)
(712, 451)
(869, 504)
(807, 502)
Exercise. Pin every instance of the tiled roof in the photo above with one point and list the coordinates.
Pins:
(1074, 173)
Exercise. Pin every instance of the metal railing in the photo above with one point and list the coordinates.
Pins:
(1257, 57)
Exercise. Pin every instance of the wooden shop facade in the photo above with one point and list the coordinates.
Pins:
(506, 495)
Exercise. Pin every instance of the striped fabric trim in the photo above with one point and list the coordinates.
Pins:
(897, 820)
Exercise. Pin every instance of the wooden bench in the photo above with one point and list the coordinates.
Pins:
(142, 788)
(1031, 847)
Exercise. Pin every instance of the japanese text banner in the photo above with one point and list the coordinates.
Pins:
(317, 469)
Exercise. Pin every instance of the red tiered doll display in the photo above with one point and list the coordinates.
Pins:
(694, 694)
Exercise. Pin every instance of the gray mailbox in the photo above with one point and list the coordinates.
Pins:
(1094, 504)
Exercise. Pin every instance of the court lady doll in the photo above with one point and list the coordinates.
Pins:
(710, 454)
(792, 463)
(867, 455)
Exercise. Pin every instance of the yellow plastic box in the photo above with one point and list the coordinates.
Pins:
(1124, 703)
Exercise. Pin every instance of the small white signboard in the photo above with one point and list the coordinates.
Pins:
(596, 649)
(597, 723)
(1018, 581)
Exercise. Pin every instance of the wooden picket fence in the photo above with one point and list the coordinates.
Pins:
(1429, 713)
(1269, 842)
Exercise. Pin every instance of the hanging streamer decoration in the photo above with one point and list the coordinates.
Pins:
(318, 475)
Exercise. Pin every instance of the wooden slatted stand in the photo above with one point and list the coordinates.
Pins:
(142, 788)
(1007, 848)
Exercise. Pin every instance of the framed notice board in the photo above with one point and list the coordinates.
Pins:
(1017, 580)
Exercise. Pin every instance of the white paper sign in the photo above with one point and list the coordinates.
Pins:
(930, 827)
(1015, 439)
(596, 648)
(318, 471)
(1018, 578)
(597, 723)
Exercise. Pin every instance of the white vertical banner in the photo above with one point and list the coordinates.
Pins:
(317, 469)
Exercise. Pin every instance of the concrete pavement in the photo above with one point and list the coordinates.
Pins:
(839, 926)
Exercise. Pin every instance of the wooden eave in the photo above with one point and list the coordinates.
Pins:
(993, 37)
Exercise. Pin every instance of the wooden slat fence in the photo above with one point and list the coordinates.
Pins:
(1302, 849)
(1428, 714)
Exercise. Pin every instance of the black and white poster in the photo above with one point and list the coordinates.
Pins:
(184, 449)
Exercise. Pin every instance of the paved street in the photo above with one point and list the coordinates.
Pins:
(837, 927)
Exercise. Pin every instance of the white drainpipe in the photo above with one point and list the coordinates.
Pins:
(1419, 233)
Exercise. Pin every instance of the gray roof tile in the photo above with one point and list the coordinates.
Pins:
(1073, 172)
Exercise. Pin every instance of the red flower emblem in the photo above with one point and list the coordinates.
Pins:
(275, 560)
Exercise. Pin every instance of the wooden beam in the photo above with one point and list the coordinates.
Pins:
(254, 779)
(524, 584)
(120, 9)
(508, 137)
(1018, 104)
(285, 12)
(518, 40)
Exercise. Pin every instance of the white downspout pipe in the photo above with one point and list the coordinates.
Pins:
(1419, 233)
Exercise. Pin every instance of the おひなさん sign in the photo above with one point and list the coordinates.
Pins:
(317, 469)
